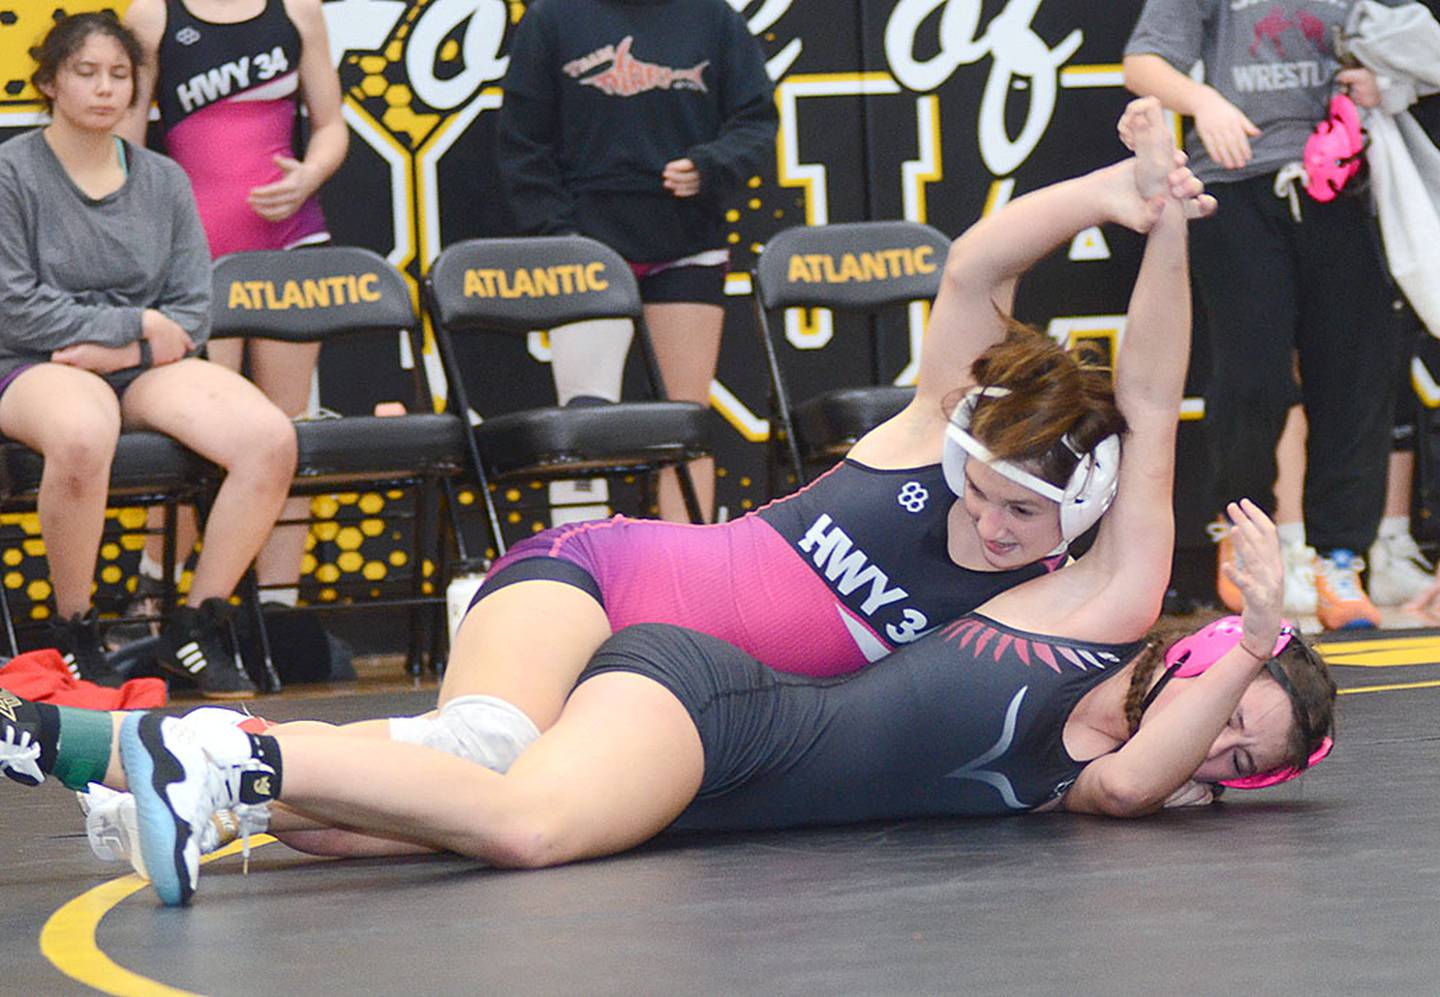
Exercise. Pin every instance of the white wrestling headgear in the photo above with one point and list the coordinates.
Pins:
(1082, 501)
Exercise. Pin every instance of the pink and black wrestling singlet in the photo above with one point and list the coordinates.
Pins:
(228, 96)
(820, 582)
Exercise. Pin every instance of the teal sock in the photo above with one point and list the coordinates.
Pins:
(82, 753)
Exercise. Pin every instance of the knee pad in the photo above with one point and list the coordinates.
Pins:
(485, 730)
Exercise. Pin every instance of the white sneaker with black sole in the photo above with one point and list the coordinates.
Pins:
(181, 778)
(111, 824)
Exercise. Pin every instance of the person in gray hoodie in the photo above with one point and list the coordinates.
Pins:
(104, 303)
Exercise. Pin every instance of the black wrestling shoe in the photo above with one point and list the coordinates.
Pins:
(196, 644)
(20, 740)
(78, 641)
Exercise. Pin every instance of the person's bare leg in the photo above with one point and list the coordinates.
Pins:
(1399, 483)
(225, 419)
(1290, 464)
(284, 372)
(526, 644)
(72, 418)
(687, 343)
(619, 766)
(230, 354)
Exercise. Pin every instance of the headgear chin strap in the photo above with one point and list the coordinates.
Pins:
(1082, 501)
(1192, 655)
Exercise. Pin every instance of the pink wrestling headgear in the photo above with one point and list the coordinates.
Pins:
(1334, 151)
(1192, 655)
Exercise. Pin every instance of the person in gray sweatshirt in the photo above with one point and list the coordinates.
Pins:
(104, 303)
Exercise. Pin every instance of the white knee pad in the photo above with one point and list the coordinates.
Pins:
(481, 729)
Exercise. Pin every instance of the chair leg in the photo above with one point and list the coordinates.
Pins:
(687, 492)
(419, 548)
(263, 672)
(11, 640)
(169, 555)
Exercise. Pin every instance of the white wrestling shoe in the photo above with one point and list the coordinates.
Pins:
(110, 821)
(20, 755)
(111, 826)
(181, 777)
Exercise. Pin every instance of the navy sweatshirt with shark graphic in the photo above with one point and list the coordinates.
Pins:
(601, 94)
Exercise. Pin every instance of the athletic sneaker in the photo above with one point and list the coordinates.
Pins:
(110, 814)
(146, 601)
(1340, 599)
(1398, 571)
(1225, 553)
(78, 641)
(1299, 579)
(181, 777)
(196, 644)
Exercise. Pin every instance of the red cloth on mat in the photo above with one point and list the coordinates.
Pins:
(41, 676)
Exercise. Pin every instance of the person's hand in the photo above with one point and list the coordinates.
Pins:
(681, 178)
(1192, 794)
(1361, 84)
(1224, 130)
(1261, 580)
(277, 201)
(98, 359)
(168, 340)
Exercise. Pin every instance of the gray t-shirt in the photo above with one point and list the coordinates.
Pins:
(76, 269)
(1273, 59)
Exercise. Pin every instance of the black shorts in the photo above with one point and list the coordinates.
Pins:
(688, 284)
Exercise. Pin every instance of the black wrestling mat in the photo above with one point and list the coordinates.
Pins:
(1330, 885)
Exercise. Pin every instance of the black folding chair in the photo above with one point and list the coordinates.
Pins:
(517, 285)
(148, 469)
(854, 267)
(325, 294)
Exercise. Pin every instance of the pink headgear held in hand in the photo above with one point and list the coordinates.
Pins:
(1192, 655)
(1334, 150)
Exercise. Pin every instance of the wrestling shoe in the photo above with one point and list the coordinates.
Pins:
(1398, 571)
(78, 641)
(110, 821)
(1299, 579)
(181, 777)
(196, 644)
(1340, 599)
(19, 740)
(1225, 589)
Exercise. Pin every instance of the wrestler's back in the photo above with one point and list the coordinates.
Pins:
(820, 582)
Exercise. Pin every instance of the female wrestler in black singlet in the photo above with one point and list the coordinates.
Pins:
(1036, 701)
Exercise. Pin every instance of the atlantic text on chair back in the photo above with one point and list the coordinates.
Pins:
(855, 265)
(531, 283)
(308, 294)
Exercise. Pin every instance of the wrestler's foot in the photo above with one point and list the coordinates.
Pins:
(1160, 169)
(110, 818)
(181, 778)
